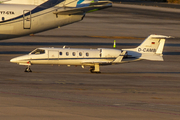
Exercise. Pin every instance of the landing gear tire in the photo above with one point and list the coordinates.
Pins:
(92, 68)
(28, 69)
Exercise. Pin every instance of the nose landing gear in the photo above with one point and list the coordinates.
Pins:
(28, 69)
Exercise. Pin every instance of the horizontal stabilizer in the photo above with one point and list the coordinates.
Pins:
(98, 5)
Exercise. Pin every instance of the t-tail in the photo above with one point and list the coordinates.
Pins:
(150, 49)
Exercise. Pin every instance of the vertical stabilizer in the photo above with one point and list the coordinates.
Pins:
(151, 48)
(152, 44)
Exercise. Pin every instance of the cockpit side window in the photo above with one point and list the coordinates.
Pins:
(38, 51)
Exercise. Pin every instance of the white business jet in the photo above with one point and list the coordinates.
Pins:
(150, 49)
(25, 17)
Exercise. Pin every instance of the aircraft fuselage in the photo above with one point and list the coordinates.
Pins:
(19, 20)
(67, 56)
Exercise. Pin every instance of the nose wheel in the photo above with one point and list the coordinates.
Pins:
(28, 69)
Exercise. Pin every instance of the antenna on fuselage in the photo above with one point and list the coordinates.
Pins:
(66, 47)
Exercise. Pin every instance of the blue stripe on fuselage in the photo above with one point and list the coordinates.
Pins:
(50, 3)
(43, 6)
(80, 1)
(69, 59)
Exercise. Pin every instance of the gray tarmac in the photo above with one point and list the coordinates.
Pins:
(144, 90)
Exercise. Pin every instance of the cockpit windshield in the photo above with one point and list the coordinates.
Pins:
(38, 51)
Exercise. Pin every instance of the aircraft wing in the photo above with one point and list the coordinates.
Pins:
(116, 61)
(92, 7)
(97, 62)
(119, 58)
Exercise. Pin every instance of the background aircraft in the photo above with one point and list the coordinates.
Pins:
(24, 17)
(150, 49)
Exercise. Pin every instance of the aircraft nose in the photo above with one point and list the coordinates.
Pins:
(20, 59)
(14, 60)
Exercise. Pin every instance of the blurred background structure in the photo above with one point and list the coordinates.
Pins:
(168, 1)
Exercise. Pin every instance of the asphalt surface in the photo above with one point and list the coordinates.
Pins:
(143, 90)
(148, 3)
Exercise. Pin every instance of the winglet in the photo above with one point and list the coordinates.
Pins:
(120, 57)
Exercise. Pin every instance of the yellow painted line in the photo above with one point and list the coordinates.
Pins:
(117, 37)
(106, 37)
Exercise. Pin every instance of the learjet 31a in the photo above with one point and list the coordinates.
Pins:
(150, 49)
(25, 17)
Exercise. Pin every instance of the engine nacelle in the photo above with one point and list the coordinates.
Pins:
(109, 52)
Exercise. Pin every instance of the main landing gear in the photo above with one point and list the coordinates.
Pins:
(94, 69)
(28, 69)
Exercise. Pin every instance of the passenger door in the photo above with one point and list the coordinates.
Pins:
(27, 19)
(53, 56)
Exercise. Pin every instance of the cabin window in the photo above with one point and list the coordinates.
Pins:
(80, 53)
(3, 18)
(73, 53)
(87, 54)
(60, 53)
(67, 53)
(38, 51)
